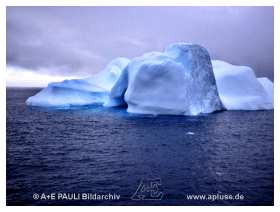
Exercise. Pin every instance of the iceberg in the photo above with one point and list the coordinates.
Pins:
(181, 80)
(239, 89)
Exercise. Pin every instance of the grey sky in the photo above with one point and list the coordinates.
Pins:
(82, 40)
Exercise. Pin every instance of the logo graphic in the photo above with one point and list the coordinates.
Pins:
(148, 190)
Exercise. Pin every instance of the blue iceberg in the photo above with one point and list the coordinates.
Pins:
(181, 80)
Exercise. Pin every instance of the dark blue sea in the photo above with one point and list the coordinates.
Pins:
(147, 160)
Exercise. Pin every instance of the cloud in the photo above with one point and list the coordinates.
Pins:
(20, 77)
(80, 41)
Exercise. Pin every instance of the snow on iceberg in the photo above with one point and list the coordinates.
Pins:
(179, 80)
(239, 89)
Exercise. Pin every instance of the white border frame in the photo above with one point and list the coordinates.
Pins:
(5, 3)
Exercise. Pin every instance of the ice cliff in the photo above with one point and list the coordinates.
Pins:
(180, 80)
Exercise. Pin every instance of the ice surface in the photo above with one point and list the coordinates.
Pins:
(268, 87)
(68, 93)
(179, 80)
(156, 85)
(79, 92)
(239, 89)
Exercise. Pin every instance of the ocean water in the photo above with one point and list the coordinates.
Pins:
(98, 151)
